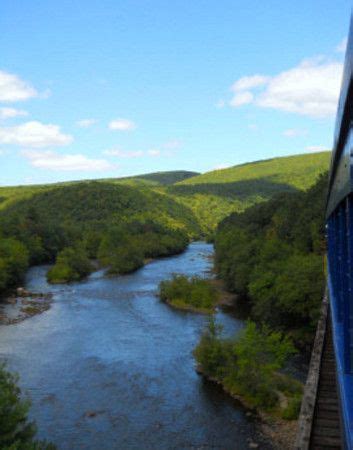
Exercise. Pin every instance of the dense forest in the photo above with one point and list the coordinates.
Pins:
(117, 225)
(211, 196)
(272, 255)
(120, 223)
(214, 195)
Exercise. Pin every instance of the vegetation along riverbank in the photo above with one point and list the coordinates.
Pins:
(269, 251)
(17, 432)
(191, 294)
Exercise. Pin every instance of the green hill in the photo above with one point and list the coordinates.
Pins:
(9, 194)
(123, 221)
(298, 171)
(214, 195)
(118, 225)
(157, 178)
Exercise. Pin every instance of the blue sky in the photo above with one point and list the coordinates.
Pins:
(92, 89)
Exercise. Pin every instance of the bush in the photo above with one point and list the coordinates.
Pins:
(72, 264)
(211, 352)
(293, 409)
(13, 262)
(16, 432)
(193, 293)
(247, 365)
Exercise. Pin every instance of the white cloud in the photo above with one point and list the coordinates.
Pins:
(253, 81)
(8, 113)
(86, 123)
(316, 148)
(13, 89)
(242, 98)
(310, 89)
(341, 47)
(49, 160)
(122, 125)
(34, 134)
(154, 152)
(123, 153)
(294, 132)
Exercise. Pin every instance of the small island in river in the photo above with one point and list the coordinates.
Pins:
(189, 293)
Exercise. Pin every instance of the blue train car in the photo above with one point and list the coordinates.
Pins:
(339, 216)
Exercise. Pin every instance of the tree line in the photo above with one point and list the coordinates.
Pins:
(272, 255)
(119, 226)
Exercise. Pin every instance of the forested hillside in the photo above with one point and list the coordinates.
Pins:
(297, 171)
(214, 195)
(118, 225)
(157, 178)
(10, 194)
(143, 216)
(272, 255)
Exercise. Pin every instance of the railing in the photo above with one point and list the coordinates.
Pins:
(306, 416)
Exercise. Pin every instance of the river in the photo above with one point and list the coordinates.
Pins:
(109, 366)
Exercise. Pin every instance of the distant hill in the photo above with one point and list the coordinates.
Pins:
(298, 171)
(9, 194)
(214, 195)
(159, 178)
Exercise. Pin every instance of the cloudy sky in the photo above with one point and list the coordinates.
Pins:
(106, 88)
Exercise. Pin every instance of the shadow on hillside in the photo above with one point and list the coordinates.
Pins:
(264, 187)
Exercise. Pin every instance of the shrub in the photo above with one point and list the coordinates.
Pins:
(72, 264)
(293, 409)
(246, 365)
(16, 432)
(189, 293)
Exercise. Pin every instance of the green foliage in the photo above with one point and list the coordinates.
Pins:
(259, 354)
(248, 365)
(45, 219)
(13, 262)
(16, 432)
(272, 254)
(298, 171)
(291, 412)
(214, 195)
(195, 293)
(120, 251)
(152, 225)
(156, 178)
(213, 354)
(72, 264)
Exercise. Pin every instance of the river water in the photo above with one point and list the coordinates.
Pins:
(109, 366)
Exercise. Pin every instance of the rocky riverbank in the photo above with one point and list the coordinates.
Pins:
(23, 304)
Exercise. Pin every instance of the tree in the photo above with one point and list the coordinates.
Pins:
(16, 432)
